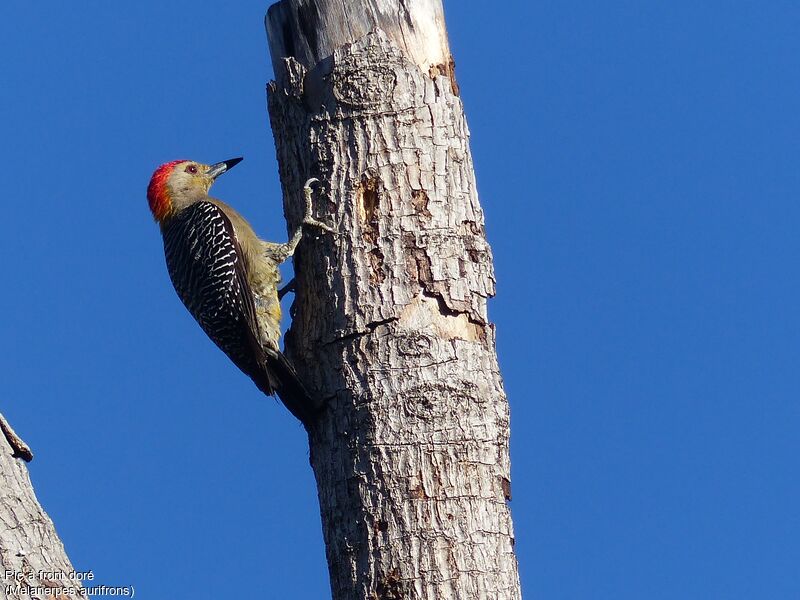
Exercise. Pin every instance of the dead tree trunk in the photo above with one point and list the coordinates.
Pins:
(33, 563)
(390, 323)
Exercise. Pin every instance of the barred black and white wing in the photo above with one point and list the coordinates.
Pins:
(207, 269)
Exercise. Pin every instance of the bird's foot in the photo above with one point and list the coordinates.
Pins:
(309, 219)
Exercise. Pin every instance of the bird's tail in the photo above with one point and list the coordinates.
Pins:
(280, 378)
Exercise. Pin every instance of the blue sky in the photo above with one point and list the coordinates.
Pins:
(637, 163)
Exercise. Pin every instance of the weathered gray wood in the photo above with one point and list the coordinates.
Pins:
(390, 323)
(32, 556)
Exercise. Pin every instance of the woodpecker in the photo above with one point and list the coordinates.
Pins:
(226, 276)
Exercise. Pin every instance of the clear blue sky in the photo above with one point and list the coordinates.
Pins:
(638, 165)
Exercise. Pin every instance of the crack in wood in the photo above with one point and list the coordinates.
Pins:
(371, 327)
(472, 329)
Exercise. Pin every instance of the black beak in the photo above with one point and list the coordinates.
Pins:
(219, 168)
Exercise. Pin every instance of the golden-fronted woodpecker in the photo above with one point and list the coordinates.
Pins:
(226, 276)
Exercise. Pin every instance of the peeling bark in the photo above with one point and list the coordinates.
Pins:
(32, 556)
(389, 321)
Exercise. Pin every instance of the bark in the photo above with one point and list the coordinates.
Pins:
(389, 321)
(32, 557)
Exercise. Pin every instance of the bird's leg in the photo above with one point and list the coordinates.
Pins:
(289, 287)
(281, 252)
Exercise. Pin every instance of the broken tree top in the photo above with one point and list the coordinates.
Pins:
(311, 31)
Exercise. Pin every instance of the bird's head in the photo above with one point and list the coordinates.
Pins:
(180, 183)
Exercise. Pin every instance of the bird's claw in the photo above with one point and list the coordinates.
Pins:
(319, 224)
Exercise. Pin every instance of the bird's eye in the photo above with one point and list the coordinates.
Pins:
(192, 169)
